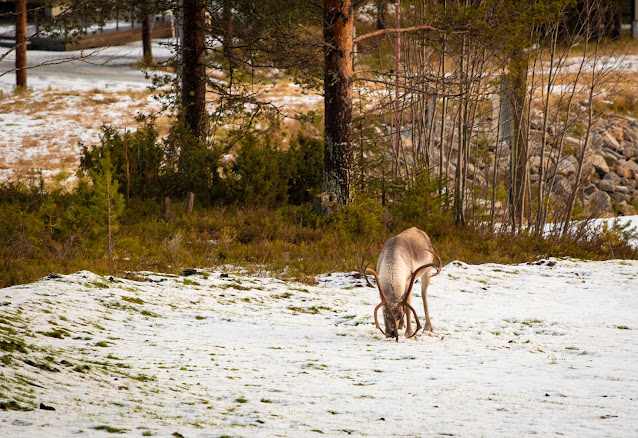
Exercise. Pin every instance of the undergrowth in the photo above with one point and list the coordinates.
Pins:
(289, 241)
(253, 212)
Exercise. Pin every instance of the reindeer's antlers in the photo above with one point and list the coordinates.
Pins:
(364, 268)
(436, 266)
(384, 302)
(415, 274)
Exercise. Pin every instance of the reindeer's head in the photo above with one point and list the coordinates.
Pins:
(393, 313)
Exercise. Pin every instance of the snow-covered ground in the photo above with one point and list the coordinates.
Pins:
(532, 349)
(73, 94)
(109, 68)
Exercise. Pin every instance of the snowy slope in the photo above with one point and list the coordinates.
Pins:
(106, 68)
(543, 349)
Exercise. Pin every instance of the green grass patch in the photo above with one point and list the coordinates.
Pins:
(110, 429)
(57, 333)
(133, 300)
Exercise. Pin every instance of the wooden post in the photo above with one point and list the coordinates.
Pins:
(634, 19)
(166, 209)
(190, 200)
(128, 167)
(21, 43)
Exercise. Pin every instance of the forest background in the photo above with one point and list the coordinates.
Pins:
(457, 117)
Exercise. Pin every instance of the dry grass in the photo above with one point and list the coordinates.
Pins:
(35, 122)
(42, 129)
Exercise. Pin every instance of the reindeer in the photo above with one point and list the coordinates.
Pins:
(402, 259)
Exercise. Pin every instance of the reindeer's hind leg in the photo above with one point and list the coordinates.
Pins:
(425, 281)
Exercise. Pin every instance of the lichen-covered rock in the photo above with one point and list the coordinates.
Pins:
(610, 142)
(623, 171)
(534, 164)
(606, 185)
(633, 166)
(599, 202)
(563, 187)
(566, 168)
(630, 152)
(599, 163)
(611, 157)
(589, 191)
(613, 177)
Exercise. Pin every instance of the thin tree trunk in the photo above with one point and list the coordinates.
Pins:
(21, 43)
(338, 177)
(541, 170)
(495, 176)
(128, 168)
(227, 40)
(147, 48)
(517, 92)
(459, 183)
(194, 67)
(397, 94)
(382, 14)
(108, 218)
(443, 112)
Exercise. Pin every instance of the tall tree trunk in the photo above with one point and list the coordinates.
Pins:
(194, 67)
(397, 91)
(227, 40)
(338, 176)
(382, 13)
(147, 49)
(541, 170)
(21, 43)
(459, 178)
(516, 92)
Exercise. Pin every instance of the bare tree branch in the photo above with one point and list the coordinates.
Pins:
(406, 29)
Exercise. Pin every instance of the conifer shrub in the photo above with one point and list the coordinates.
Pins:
(422, 206)
(306, 169)
(138, 157)
(260, 173)
(363, 218)
(265, 174)
(192, 165)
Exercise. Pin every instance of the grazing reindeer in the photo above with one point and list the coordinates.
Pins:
(402, 259)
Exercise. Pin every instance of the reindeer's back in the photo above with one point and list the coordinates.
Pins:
(401, 255)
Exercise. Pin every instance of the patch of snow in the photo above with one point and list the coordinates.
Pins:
(108, 68)
(544, 349)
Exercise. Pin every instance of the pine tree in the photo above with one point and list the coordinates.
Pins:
(107, 202)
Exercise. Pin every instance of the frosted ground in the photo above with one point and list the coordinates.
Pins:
(541, 349)
(534, 349)
(73, 94)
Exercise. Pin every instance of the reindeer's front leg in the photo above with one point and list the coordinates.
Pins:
(408, 318)
(425, 281)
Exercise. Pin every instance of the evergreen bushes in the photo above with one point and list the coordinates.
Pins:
(259, 172)
(253, 211)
